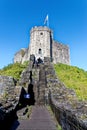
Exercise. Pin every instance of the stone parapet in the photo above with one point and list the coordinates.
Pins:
(69, 118)
(40, 28)
(69, 112)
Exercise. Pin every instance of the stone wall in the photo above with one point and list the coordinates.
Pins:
(68, 110)
(7, 86)
(21, 56)
(25, 77)
(43, 45)
(60, 53)
(68, 117)
(41, 86)
(7, 101)
(40, 40)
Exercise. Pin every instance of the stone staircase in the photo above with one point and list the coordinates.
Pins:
(40, 119)
(49, 90)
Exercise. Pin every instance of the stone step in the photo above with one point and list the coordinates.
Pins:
(40, 120)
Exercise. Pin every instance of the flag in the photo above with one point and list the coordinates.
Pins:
(46, 19)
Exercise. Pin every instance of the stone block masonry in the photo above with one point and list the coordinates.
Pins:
(49, 90)
(68, 110)
(43, 45)
(7, 86)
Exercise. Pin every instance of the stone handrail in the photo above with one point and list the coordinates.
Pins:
(70, 113)
(67, 118)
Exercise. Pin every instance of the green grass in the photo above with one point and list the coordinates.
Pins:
(13, 70)
(74, 78)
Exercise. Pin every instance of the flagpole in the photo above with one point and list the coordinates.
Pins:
(46, 21)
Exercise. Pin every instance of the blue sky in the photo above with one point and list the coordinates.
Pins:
(67, 19)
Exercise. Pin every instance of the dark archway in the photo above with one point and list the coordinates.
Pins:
(40, 51)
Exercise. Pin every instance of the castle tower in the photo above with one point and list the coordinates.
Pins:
(43, 45)
(40, 42)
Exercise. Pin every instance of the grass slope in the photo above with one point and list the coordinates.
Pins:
(74, 78)
(13, 70)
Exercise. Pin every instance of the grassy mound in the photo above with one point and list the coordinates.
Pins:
(13, 70)
(74, 78)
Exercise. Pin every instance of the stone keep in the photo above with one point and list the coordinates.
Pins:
(43, 45)
(40, 42)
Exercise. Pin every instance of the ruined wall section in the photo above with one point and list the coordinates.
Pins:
(61, 53)
(21, 56)
(25, 57)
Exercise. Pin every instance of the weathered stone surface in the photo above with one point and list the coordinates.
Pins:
(18, 91)
(60, 53)
(40, 120)
(69, 112)
(21, 55)
(25, 76)
(42, 45)
(41, 86)
(47, 60)
(7, 86)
